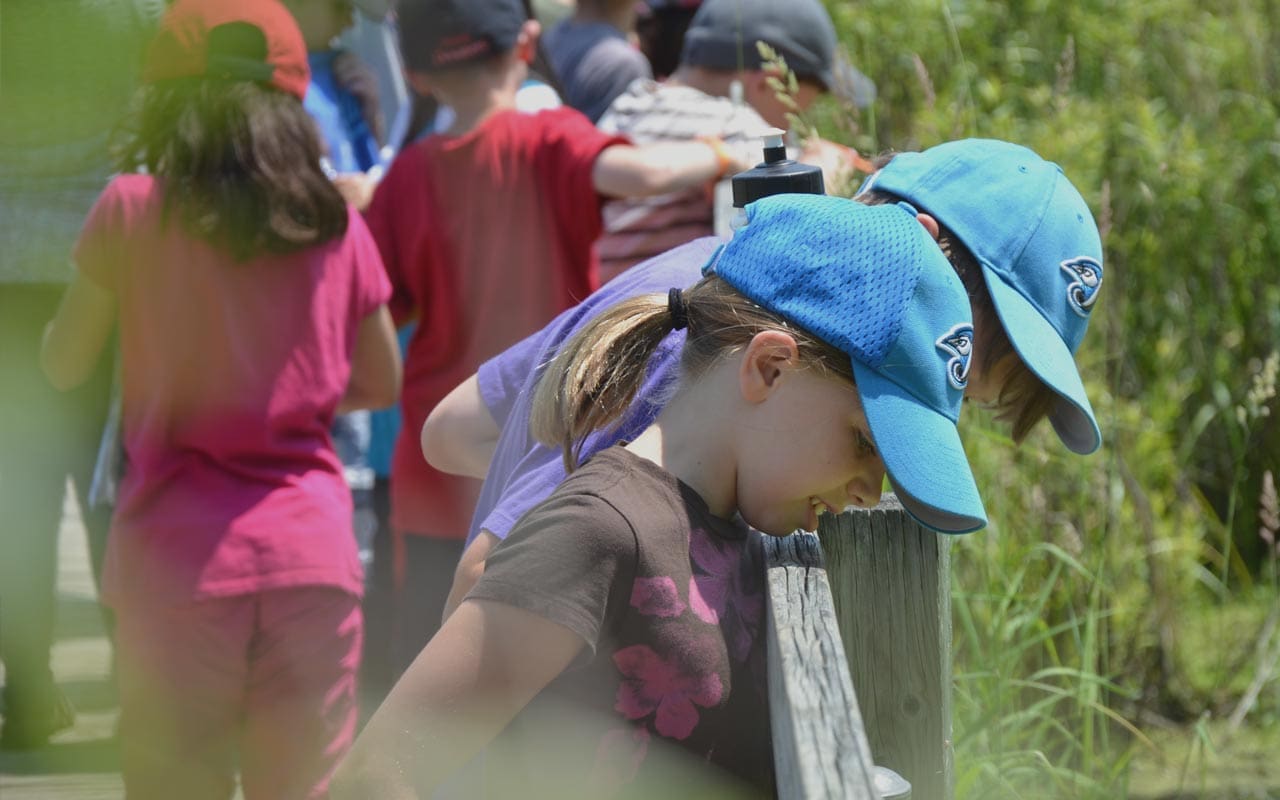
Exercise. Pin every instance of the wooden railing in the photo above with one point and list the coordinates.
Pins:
(864, 605)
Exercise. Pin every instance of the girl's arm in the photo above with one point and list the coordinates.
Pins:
(375, 365)
(470, 568)
(485, 665)
(74, 338)
(460, 435)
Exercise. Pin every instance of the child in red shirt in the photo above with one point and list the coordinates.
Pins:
(251, 307)
(486, 231)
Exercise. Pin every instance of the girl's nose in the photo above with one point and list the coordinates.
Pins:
(864, 490)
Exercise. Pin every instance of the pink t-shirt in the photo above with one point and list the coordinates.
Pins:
(231, 373)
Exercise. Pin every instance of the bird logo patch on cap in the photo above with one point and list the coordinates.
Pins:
(958, 342)
(1082, 292)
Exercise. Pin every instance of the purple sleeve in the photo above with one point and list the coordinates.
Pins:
(541, 469)
(524, 473)
(538, 474)
(502, 377)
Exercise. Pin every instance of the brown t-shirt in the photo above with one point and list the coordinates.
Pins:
(669, 599)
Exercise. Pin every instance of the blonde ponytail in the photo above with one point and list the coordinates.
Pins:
(597, 373)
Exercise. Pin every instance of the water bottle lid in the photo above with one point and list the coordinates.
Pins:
(777, 174)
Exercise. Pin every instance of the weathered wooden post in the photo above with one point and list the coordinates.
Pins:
(820, 748)
(890, 583)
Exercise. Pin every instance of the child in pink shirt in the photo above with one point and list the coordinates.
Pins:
(251, 308)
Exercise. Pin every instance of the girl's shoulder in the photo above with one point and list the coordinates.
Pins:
(135, 184)
(607, 468)
(648, 497)
(595, 501)
(134, 187)
(127, 202)
(622, 479)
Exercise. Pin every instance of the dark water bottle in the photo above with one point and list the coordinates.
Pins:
(777, 174)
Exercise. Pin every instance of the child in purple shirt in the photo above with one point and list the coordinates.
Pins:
(523, 472)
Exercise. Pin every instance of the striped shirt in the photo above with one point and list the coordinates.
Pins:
(639, 229)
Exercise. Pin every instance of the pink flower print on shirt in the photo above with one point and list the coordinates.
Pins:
(653, 685)
(656, 597)
(708, 612)
(709, 589)
(719, 590)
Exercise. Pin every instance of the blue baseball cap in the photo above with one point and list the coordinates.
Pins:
(1039, 249)
(870, 281)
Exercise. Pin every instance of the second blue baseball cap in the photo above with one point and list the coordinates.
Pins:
(870, 281)
(1039, 248)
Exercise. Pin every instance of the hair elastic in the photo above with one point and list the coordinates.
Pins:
(679, 308)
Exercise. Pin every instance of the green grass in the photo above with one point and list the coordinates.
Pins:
(1031, 712)
(1105, 623)
(1204, 761)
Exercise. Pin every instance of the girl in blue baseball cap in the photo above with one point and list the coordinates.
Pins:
(616, 638)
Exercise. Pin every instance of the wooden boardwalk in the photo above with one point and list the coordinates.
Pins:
(80, 763)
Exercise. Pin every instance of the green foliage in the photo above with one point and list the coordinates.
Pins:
(786, 87)
(1070, 609)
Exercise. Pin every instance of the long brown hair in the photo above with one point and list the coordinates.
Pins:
(593, 379)
(240, 163)
(1024, 399)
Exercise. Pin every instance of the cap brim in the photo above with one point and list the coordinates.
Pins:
(922, 455)
(1044, 352)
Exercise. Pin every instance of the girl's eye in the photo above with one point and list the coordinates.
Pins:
(864, 443)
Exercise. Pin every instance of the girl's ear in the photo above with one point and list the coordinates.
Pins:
(930, 224)
(527, 41)
(764, 362)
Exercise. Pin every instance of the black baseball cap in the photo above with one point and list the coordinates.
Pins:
(440, 34)
(723, 35)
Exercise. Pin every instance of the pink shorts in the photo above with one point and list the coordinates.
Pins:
(266, 680)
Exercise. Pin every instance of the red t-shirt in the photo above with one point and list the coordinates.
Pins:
(486, 237)
(231, 373)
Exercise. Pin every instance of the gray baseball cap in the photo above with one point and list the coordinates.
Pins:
(723, 35)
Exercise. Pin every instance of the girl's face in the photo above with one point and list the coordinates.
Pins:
(984, 386)
(807, 449)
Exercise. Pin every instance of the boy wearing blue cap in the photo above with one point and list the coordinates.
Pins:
(833, 340)
(1038, 271)
(1042, 223)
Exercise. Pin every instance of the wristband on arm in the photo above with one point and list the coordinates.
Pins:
(724, 159)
